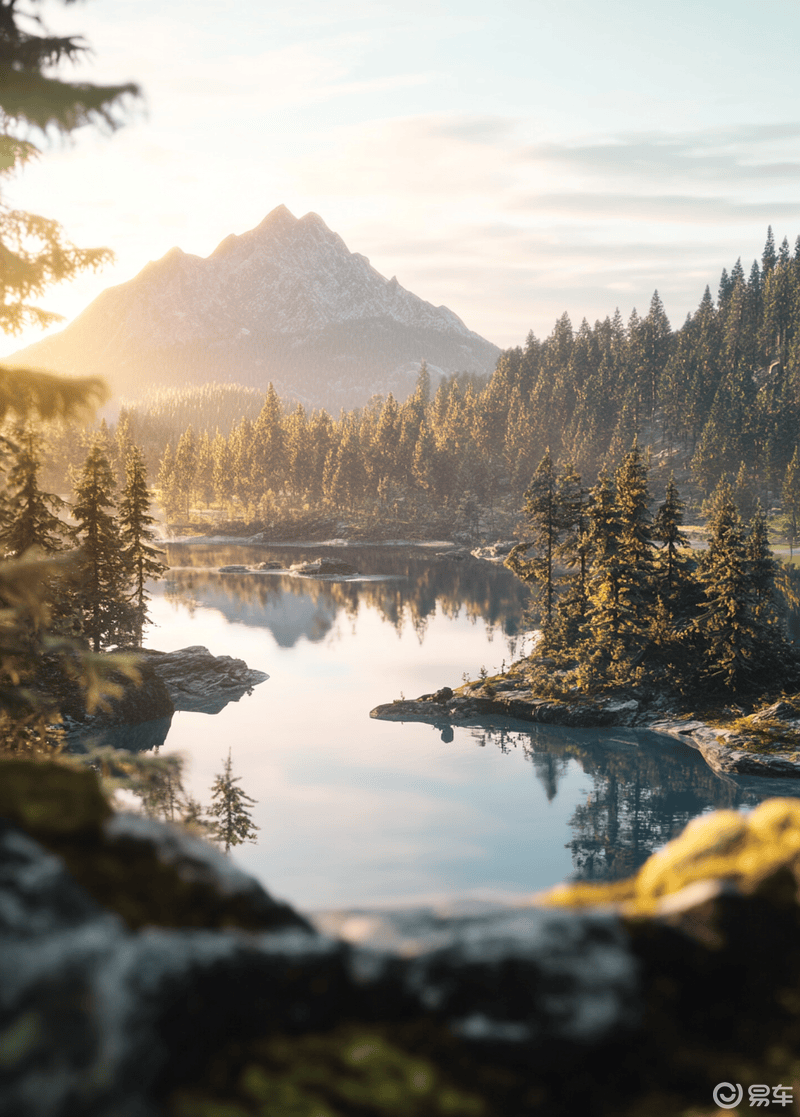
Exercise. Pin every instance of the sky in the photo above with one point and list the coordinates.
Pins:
(511, 160)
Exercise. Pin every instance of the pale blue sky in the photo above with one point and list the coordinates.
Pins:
(511, 160)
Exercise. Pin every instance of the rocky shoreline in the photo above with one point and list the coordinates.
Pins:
(726, 750)
(139, 717)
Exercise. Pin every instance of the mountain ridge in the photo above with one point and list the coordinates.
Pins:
(285, 301)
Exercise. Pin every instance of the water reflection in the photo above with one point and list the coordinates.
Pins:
(403, 586)
(645, 789)
(353, 810)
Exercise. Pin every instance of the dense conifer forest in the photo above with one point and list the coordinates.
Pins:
(622, 601)
(620, 597)
(718, 398)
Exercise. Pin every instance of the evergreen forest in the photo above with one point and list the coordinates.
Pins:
(718, 398)
(623, 601)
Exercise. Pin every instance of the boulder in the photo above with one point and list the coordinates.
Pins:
(143, 974)
(145, 699)
(234, 569)
(324, 567)
(197, 680)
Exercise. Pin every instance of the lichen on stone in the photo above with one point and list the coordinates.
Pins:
(725, 845)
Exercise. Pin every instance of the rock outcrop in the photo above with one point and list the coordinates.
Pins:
(324, 568)
(766, 744)
(142, 699)
(197, 680)
(142, 974)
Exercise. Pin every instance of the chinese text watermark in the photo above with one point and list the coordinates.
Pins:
(727, 1095)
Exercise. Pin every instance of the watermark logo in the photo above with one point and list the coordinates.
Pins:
(727, 1095)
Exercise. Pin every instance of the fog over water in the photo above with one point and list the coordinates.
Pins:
(354, 811)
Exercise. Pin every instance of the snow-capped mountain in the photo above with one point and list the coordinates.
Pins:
(286, 301)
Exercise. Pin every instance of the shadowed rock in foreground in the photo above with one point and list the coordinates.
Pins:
(143, 974)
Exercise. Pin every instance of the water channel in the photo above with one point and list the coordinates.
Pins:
(356, 812)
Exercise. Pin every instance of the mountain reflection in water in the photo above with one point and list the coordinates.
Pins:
(356, 811)
(402, 585)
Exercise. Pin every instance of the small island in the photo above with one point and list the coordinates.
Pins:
(636, 628)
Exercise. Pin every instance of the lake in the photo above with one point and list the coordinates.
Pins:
(357, 812)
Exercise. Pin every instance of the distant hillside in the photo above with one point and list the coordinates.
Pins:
(286, 302)
(209, 407)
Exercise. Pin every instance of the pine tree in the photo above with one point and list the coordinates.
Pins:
(574, 551)
(139, 556)
(667, 531)
(30, 521)
(267, 461)
(222, 470)
(729, 638)
(746, 500)
(424, 464)
(186, 468)
(761, 571)
(232, 823)
(204, 478)
(542, 532)
(299, 451)
(605, 610)
(106, 613)
(348, 477)
(635, 570)
(167, 484)
(791, 496)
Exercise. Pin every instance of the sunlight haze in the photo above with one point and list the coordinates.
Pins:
(510, 161)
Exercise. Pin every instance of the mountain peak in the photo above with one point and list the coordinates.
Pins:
(276, 217)
(286, 301)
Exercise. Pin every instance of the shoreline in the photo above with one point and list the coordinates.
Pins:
(724, 750)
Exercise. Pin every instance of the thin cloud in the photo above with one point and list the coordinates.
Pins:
(667, 208)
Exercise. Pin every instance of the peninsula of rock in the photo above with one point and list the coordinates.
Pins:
(765, 743)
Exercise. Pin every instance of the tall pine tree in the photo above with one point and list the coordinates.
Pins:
(107, 615)
(140, 557)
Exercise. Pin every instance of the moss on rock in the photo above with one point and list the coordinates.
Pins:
(54, 800)
(725, 845)
(62, 806)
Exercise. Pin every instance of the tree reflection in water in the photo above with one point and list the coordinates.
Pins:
(645, 789)
(403, 586)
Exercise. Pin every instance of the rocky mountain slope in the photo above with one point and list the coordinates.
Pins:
(286, 301)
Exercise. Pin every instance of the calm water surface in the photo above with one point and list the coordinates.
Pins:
(354, 811)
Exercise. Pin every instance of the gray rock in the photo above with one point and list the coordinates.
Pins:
(199, 681)
(103, 1021)
(786, 712)
(234, 569)
(100, 1021)
(324, 567)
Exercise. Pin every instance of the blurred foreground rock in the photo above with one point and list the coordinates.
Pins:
(141, 973)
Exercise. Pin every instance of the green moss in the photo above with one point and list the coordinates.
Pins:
(63, 807)
(353, 1071)
(54, 799)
